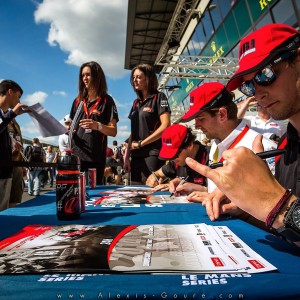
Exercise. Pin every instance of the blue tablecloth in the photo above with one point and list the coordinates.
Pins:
(281, 284)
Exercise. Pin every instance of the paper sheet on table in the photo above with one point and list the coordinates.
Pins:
(154, 248)
(45, 122)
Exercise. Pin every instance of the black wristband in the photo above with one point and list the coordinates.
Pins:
(276, 210)
(139, 144)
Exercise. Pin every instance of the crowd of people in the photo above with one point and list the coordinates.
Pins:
(159, 154)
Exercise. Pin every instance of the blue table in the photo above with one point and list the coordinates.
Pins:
(281, 284)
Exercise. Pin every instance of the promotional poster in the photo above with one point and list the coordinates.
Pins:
(192, 248)
(136, 195)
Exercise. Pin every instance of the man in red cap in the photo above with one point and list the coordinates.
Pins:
(178, 143)
(269, 68)
(215, 114)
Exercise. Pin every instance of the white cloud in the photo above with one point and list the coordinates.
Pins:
(35, 98)
(123, 131)
(88, 30)
(60, 93)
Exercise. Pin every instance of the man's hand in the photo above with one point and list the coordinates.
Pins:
(21, 109)
(245, 180)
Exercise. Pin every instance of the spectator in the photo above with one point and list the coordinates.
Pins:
(109, 152)
(270, 71)
(95, 121)
(34, 153)
(63, 139)
(262, 122)
(10, 107)
(117, 153)
(125, 174)
(111, 172)
(149, 116)
(50, 157)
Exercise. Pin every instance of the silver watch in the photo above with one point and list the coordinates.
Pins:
(99, 126)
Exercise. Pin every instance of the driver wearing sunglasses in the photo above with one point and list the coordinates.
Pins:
(269, 68)
(266, 76)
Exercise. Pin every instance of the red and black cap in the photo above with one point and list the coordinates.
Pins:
(172, 140)
(261, 47)
(207, 96)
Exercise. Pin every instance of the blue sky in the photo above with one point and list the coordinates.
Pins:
(44, 43)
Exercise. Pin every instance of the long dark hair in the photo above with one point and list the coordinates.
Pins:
(152, 82)
(98, 80)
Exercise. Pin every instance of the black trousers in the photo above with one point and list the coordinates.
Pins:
(142, 167)
(86, 165)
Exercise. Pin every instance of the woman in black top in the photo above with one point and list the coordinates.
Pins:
(150, 116)
(95, 117)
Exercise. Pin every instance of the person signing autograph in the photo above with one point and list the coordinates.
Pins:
(269, 68)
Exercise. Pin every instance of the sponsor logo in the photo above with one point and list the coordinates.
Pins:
(217, 261)
(256, 264)
(247, 48)
(198, 180)
(167, 142)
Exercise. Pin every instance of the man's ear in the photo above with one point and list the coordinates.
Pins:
(298, 53)
(9, 92)
(222, 114)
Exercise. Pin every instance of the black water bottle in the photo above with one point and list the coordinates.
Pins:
(68, 200)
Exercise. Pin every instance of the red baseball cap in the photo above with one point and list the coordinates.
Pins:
(208, 95)
(261, 47)
(172, 139)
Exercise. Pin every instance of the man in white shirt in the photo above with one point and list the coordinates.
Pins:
(215, 114)
(262, 122)
(63, 139)
(50, 156)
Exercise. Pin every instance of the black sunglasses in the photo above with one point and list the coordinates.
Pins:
(264, 77)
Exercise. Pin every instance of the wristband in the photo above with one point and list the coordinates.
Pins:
(139, 144)
(276, 210)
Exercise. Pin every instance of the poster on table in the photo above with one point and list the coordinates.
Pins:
(135, 195)
(191, 248)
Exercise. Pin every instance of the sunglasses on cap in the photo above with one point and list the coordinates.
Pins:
(265, 77)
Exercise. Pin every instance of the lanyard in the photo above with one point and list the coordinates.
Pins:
(85, 108)
(237, 140)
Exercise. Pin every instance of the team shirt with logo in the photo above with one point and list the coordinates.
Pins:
(91, 146)
(145, 119)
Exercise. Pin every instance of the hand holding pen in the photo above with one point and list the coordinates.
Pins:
(183, 180)
(262, 155)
